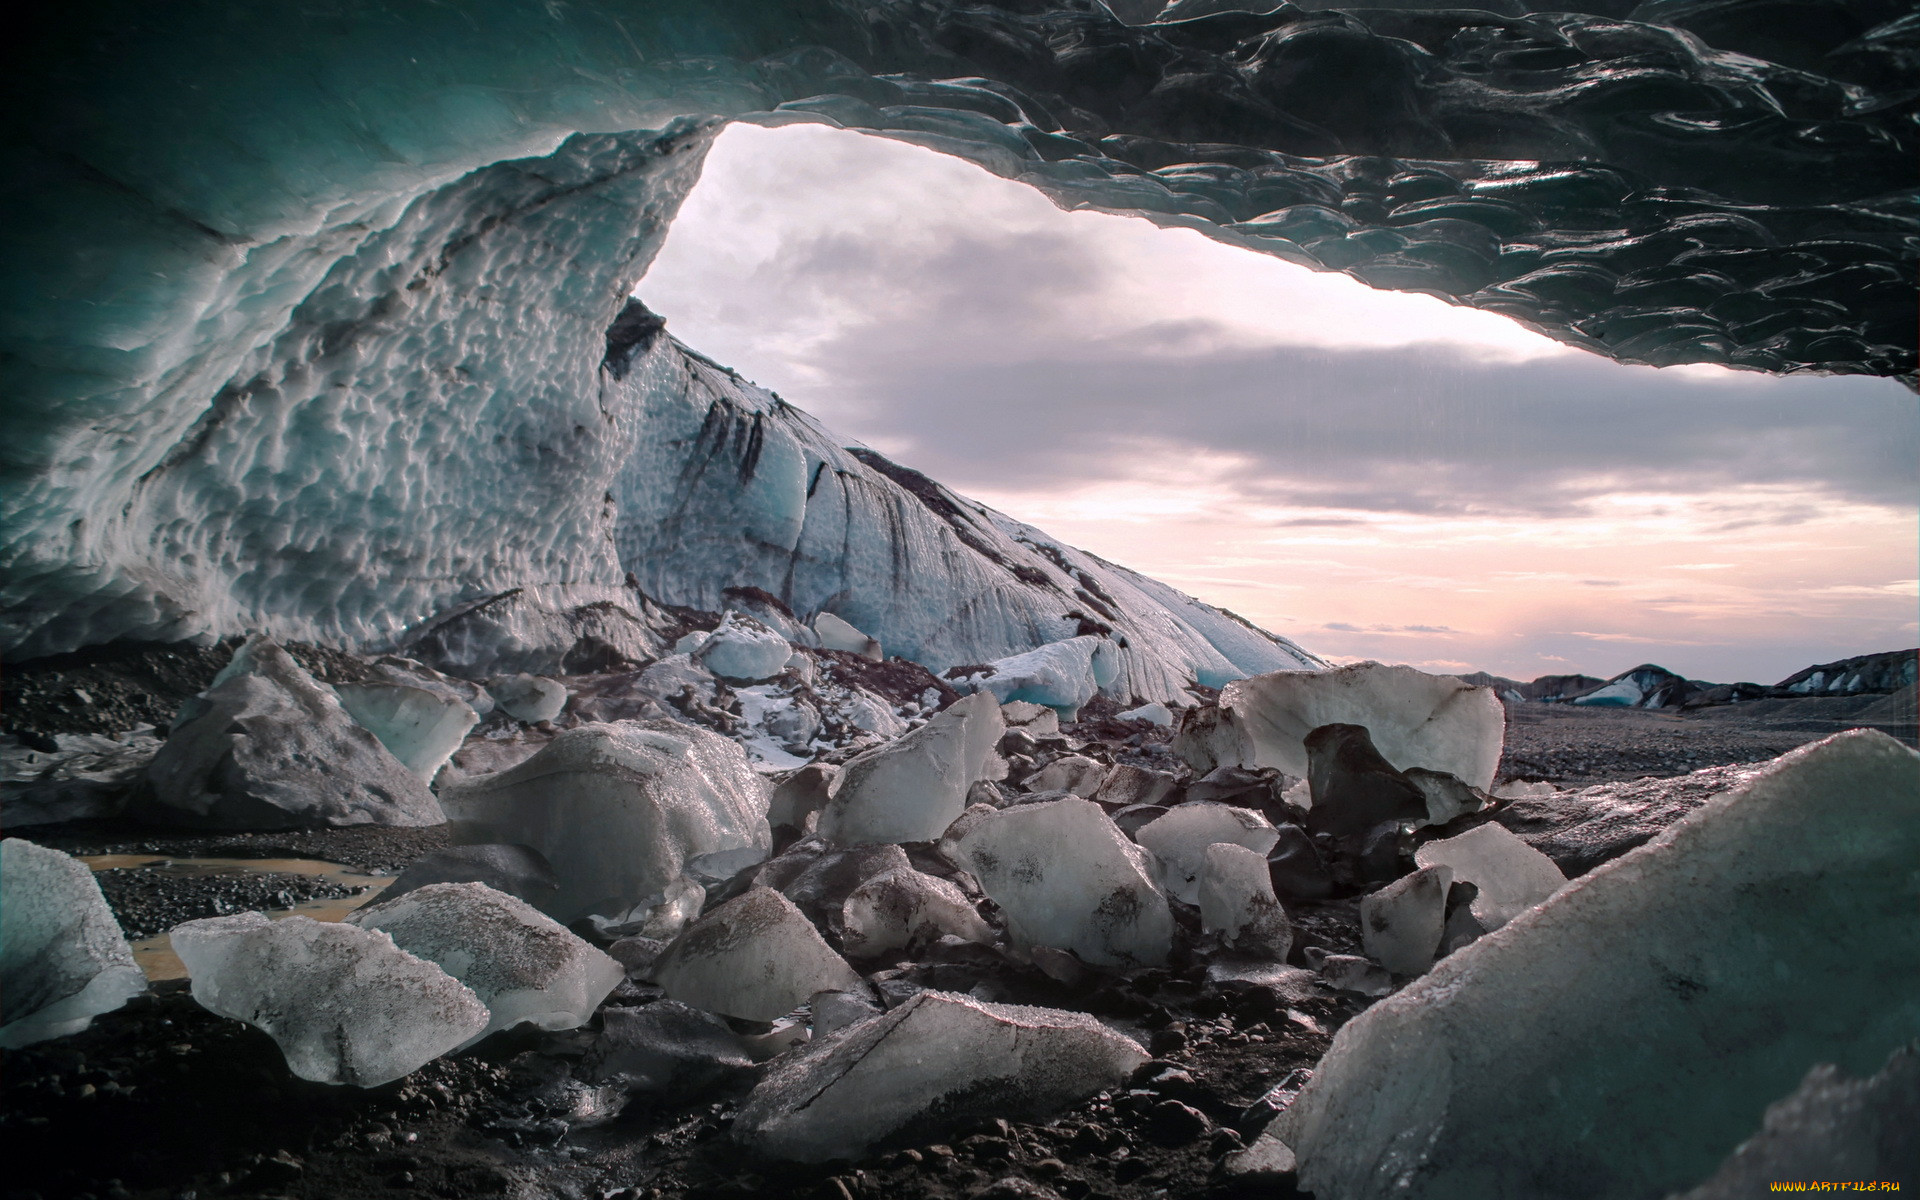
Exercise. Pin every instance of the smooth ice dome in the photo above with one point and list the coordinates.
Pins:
(1154, 714)
(419, 724)
(528, 698)
(837, 634)
(1401, 924)
(1237, 902)
(1669, 997)
(756, 956)
(912, 788)
(1416, 719)
(1511, 876)
(937, 1060)
(63, 960)
(619, 810)
(1061, 675)
(1180, 840)
(267, 746)
(523, 965)
(345, 1004)
(1065, 876)
(905, 908)
(743, 650)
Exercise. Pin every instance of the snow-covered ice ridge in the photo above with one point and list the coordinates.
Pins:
(305, 336)
(731, 486)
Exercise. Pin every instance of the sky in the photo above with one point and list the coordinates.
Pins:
(1372, 474)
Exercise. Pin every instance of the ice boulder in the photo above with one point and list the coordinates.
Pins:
(528, 698)
(756, 956)
(1401, 924)
(911, 789)
(1126, 785)
(524, 965)
(1036, 720)
(63, 960)
(1237, 902)
(743, 650)
(420, 723)
(1061, 675)
(1153, 714)
(1622, 1038)
(1831, 1128)
(903, 908)
(267, 746)
(1511, 876)
(798, 797)
(516, 870)
(1416, 719)
(1074, 773)
(836, 634)
(1065, 876)
(1180, 840)
(619, 810)
(1447, 796)
(935, 1061)
(345, 1004)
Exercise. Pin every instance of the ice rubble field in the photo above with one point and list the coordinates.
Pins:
(1617, 1035)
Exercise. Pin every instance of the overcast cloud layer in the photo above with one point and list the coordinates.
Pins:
(1377, 474)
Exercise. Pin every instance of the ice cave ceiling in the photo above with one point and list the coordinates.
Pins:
(305, 307)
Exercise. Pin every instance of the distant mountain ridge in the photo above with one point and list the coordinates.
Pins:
(1650, 685)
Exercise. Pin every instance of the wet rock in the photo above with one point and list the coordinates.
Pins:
(344, 1004)
(1401, 924)
(1126, 785)
(1237, 902)
(619, 810)
(756, 956)
(528, 698)
(1295, 867)
(1415, 719)
(1510, 875)
(1065, 876)
(1447, 797)
(1670, 995)
(801, 795)
(1354, 789)
(1171, 1123)
(1581, 829)
(935, 1061)
(1268, 1160)
(1180, 839)
(524, 966)
(63, 960)
(666, 1046)
(269, 747)
(516, 870)
(912, 788)
(819, 878)
(1135, 817)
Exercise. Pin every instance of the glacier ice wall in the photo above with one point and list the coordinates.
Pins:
(301, 306)
(731, 486)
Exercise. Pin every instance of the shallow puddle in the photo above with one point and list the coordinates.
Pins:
(155, 954)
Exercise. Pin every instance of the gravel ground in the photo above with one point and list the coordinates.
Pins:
(151, 900)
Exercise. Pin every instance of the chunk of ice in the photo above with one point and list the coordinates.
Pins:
(911, 789)
(1237, 902)
(819, 878)
(524, 965)
(665, 1046)
(937, 1060)
(1180, 840)
(1401, 924)
(801, 795)
(85, 776)
(906, 908)
(63, 960)
(1447, 797)
(267, 746)
(1351, 973)
(1074, 773)
(619, 810)
(1511, 875)
(1038, 720)
(528, 698)
(345, 1004)
(1416, 719)
(1154, 714)
(1065, 876)
(756, 956)
(516, 870)
(1622, 1038)
(1126, 785)
(743, 650)
(836, 634)
(1061, 675)
(837, 1010)
(420, 726)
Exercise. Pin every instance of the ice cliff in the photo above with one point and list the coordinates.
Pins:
(304, 312)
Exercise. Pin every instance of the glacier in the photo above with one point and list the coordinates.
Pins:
(317, 326)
